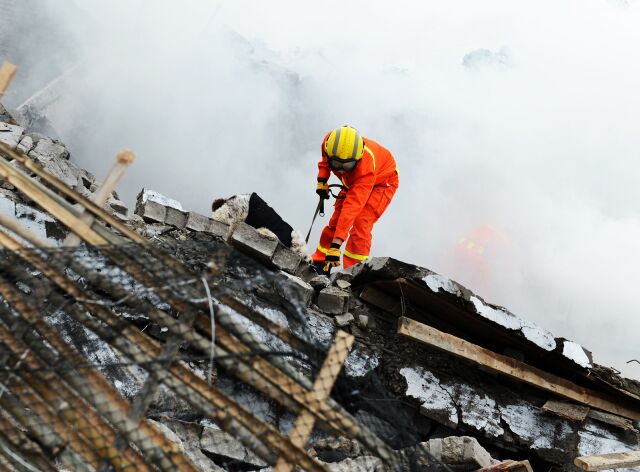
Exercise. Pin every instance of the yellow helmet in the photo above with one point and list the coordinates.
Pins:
(344, 143)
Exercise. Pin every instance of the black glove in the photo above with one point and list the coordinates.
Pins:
(322, 189)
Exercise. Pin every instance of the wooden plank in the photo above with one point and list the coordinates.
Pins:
(513, 368)
(123, 160)
(7, 71)
(566, 410)
(616, 460)
(305, 422)
(613, 420)
(510, 466)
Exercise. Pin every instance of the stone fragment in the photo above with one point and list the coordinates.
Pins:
(333, 300)
(228, 451)
(185, 436)
(343, 284)
(46, 149)
(10, 134)
(360, 464)
(334, 449)
(246, 239)
(344, 319)
(5, 117)
(176, 218)
(319, 282)
(458, 450)
(151, 212)
(306, 272)
(285, 259)
(304, 290)
(26, 145)
(363, 320)
(117, 205)
(197, 222)
(148, 194)
(217, 228)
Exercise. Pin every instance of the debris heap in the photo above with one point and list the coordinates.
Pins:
(166, 341)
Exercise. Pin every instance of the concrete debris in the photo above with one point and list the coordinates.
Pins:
(285, 259)
(175, 218)
(46, 149)
(344, 320)
(10, 134)
(247, 239)
(456, 451)
(228, 450)
(333, 300)
(151, 212)
(319, 282)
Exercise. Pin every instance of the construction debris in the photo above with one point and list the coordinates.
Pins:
(157, 344)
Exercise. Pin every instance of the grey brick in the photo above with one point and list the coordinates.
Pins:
(287, 260)
(197, 222)
(248, 240)
(175, 218)
(217, 228)
(152, 212)
(333, 300)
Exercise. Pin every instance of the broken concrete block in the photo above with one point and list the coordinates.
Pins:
(152, 212)
(46, 149)
(10, 134)
(458, 450)
(319, 282)
(333, 300)
(248, 240)
(226, 450)
(117, 206)
(306, 271)
(344, 319)
(217, 228)
(175, 218)
(305, 290)
(25, 145)
(287, 260)
(196, 222)
(147, 194)
(343, 284)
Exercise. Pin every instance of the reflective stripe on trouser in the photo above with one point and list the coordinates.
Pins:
(359, 243)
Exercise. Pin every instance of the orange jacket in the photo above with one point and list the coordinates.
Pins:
(376, 168)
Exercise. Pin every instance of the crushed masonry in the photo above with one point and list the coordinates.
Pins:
(397, 404)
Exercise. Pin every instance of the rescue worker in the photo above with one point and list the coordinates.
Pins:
(369, 177)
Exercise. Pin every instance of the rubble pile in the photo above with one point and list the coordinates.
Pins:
(436, 410)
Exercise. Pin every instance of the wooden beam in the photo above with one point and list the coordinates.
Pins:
(616, 460)
(305, 422)
(123, 160)
(566, 410)
(7, 71)
(514, 368)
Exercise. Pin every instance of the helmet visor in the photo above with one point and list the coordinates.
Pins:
(342, 164)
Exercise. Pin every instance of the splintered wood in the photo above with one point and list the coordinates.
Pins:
(7, 71)
(616, 460)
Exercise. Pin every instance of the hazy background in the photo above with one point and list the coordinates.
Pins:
(518, 115)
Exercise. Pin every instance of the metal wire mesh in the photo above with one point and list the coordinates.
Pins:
(176, 355)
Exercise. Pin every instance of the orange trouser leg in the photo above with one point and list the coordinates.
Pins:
(358, 245)
(327, 233)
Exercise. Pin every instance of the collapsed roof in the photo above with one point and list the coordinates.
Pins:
(430, 359)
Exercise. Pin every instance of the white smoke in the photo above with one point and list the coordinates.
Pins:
(518, 115)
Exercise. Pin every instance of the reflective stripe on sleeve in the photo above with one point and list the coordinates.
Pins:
(323, 250)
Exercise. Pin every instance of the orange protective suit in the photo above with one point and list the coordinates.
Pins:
(369, 190)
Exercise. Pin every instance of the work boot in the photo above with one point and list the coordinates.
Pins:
(318, 267)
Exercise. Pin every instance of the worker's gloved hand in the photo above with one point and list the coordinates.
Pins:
(332, 259)
(322, 189)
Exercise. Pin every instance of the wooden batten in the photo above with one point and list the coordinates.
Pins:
(616, 460)
(514, 368)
